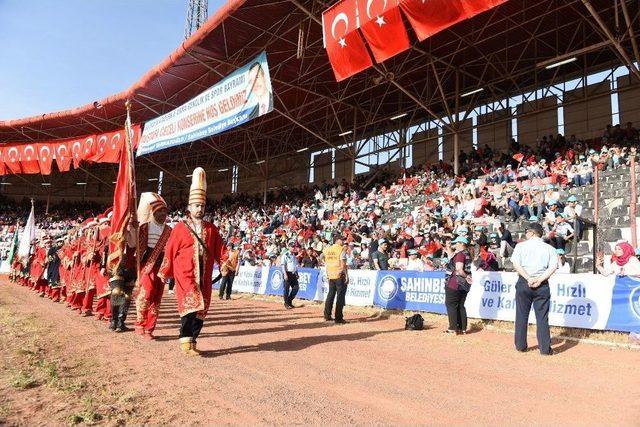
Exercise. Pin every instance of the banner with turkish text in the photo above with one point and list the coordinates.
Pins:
(240, 97)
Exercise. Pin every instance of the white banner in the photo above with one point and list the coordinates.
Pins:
(238, 98)
(360, 290)
(577, 300)
(251, 280)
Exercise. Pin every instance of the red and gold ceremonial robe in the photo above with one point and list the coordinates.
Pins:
(77, 271)
(37, 265)
(151, 286)
(192, 266)
(102, 278)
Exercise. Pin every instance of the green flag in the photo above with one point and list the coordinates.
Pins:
(14, 244)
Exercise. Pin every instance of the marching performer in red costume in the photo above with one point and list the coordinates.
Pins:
(103, 291)
(91, 267)
(193, 248)
(38, 267)
(154, 234)
(77, 271)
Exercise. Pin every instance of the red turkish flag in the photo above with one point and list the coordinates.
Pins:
(76, 151)
(3, 169)
(124, 204)
(63, 156)
(108, 147)
(346, 50)
(428, 17)
(12, 159)
(382, 26)
(89, 148)
(474, 7)
(45, 157)
(518, 157)
(29, 159)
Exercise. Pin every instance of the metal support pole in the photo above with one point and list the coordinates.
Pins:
(629, 62)
(596, 196)
(633, 204)
(456, 150)
(160, 177)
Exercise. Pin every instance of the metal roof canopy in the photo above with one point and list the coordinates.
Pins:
(500, 50)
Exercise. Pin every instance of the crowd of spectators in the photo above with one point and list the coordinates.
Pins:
(407, 221)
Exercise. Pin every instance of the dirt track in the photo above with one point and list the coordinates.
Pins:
(266, 365)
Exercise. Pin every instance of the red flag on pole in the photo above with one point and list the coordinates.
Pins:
(428, 17)
(382, 26)
(124, 203)
(346, 50)
(518, 157)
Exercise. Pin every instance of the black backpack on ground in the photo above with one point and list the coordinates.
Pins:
(414, 323)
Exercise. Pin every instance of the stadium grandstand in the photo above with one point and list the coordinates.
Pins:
(524, 73)
(486, 168)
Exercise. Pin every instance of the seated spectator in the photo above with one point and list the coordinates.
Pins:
(623, 261)
(563, 265)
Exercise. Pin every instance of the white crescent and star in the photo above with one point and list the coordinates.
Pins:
(114, 141)
(44, 148)
(101, 142)
(370, 2)
(76, 153)
(60, 152)
(27, 149)
(14, 150)
(88, 143)
(340, 17)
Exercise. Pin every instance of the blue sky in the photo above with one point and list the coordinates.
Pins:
(60, 54)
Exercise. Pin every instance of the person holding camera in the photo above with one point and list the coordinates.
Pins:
(335, 261)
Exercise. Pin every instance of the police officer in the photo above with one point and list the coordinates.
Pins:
(535, 261)
(335, 260)
(290, 272)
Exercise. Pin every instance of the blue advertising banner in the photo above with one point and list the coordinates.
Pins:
(307, 280)
(411, 290)
(238, 98)
(625, 306)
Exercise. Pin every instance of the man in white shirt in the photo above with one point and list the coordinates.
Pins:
(414, 263)
(573, 211)
(290, 271)
(535, 261)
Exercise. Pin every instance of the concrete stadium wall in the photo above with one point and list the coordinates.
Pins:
(534, 126)
(628, 105)
(425, 147)
(587, 110)
(494, 129)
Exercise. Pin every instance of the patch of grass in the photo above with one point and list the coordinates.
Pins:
(50, 370)
(4, 412)
(24, 380)
(88, 416)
